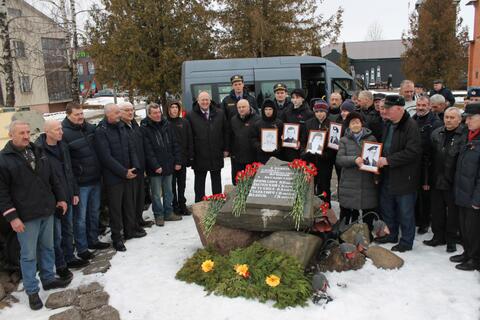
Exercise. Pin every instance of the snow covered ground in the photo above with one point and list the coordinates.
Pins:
(142, 285)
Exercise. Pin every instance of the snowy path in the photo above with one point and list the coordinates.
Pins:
(142, 285)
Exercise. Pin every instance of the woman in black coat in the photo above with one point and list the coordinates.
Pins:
(268, 120)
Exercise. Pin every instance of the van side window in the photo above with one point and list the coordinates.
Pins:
(223, 91)
(343, 86)
(197, 88)
(265, 89)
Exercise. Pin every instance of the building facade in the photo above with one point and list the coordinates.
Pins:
(40, 69)
(375, 62)
(88, 84)
(474, 50)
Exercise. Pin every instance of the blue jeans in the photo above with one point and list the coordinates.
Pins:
(398, 211)
(85, 217)
(63, 239)
(36, 242)
(161, 185)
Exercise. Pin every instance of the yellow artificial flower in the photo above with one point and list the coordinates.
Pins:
(272, 280)
(207, 265)
(242, 270)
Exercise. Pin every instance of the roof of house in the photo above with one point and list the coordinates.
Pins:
(380, 49)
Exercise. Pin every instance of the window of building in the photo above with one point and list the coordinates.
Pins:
(91, 68)
(19, 48)
(14, 13)
(25, 85)
(80, 69)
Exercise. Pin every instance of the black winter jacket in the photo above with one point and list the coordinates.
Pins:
(241, 133)
(272, 122)
(26, 193)
(404, 158)
(281, 110)
(161, 147)
(136, 135)
(116, 151)
(373, 121)
(183, 132)
(210, 138)
(467, 176)
(229, 103)
(426, 125)
(299, 115)
(62, 166)
(80, 141)
(446, 93)
(327, 159)
(444, 156)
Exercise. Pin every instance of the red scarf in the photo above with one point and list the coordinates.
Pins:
(473, 134)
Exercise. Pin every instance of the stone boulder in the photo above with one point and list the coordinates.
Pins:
(299, 245)
(2, 292)
(91, 287)
(92, 300)
(69, 314)
(335, 261)
(103, 313)
(349, 235)
(383, 258)
(61, 299)
(221, 238)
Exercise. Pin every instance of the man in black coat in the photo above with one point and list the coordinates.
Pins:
(400, 164)
(334, 106)
(241, 132)
(30, 193)
(427, 121)
(438, 88)
(57, 153)
(79, 136)
(183, 132)
(467, 192)
(372, 117)
(239, 92)
(136, 135)
(117, 155)
(299, 113)
(163, 159)
(281, 100)
(447, 141)
(268, 120)
(324, 162)
(210, 143)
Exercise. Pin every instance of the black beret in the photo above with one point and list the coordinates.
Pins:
(298, 92)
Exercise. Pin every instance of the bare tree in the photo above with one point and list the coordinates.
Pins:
(374, 32)
(7, 59)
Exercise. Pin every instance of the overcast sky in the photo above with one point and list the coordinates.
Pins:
(391, 15)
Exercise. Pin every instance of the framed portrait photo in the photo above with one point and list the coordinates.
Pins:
(291, 133)
(371, 152)
(269, 139)
(334, 135)
(316, 141)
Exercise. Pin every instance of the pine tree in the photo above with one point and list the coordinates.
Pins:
(436, 44)
(262, 28)
(142, 44)
(344, 62)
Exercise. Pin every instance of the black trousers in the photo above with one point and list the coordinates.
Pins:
(199, 185)
(422, 208)
(236, 167)
(179, 179)
(139, 198)
(323, 179)
(121, 208)
(444, 215)
(352, 215)
(469, 219)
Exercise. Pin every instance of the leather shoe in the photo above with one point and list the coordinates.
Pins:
(64, 273)
(119, 246)
(136, 234)
(146, 223)
(434, 242)
(56, 283)
(35, 302)
(77, 263)
(468, 265)
(386, 239)
(401, 248)
(422, 230)
(451, 247)
(99, 246)
(459, 258)
(86, 255)
(173, 217)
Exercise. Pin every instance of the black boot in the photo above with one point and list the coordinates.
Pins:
(77, 263)
(86, 255)
(64, 273)
(451, 247)
(469, 265)
(57, 283)
(35, 302)
(119, 246)
(434, 242)
(459, 258)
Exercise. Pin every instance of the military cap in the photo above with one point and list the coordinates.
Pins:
(473, 92)
(279, 86)
(236, 78)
